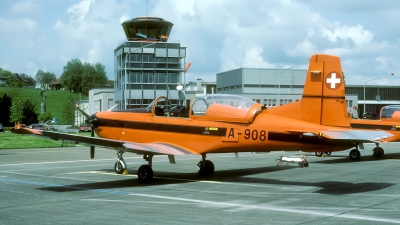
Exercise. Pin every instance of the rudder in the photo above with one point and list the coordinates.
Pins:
(323, 101)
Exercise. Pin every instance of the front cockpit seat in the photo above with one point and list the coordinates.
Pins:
(159, 111)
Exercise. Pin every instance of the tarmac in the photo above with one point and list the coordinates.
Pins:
(65, 186)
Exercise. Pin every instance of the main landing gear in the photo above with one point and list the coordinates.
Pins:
(206, 166)
(355, 154)
(144, 173)
(378, 152)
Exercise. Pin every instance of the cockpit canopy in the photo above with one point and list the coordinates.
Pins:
(217, 107)
(388, 111)
(203, 103)
(224, 107)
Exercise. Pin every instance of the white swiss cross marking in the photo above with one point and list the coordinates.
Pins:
(333, 81)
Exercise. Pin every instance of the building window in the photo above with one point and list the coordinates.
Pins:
(134, 57)
(135, 77)
(159, 78)
(148, 58)
(172, 78)
(148, 78)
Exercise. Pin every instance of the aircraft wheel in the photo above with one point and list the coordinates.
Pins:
(145, 173)
(378, 152)
(354, 154)
(328, 153)
(305, 164)
(207, 169)
(318, 154)
(118, 167)
(301, 164)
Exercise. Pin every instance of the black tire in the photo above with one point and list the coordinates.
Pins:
(354, 154)
(145, 173)
(378, 152)
(318, 154)
(328, 153)
(207, 169)
(118, 167)
(301, 164)
(305, 164)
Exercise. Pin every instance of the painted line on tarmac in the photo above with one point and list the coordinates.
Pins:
(323, 212)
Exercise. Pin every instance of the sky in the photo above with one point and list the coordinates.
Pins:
(220, 35)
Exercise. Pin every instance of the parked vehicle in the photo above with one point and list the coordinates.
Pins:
(37, 126)
(84, 127)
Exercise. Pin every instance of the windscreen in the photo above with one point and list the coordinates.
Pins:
(202, 103)
(387, 111)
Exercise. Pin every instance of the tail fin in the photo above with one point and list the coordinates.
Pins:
(323, 100)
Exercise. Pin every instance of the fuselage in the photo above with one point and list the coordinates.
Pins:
(201, 134)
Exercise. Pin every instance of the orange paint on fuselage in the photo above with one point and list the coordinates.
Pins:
(250, 137)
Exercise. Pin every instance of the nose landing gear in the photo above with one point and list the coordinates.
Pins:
(206, 166)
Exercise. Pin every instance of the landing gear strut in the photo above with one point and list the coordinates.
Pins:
(120, 165)
(145, 172)
(206, 166)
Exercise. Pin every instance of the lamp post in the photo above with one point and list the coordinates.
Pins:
(279, 83)
(369, 81)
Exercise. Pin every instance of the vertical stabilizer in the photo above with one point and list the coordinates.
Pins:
(323, 101)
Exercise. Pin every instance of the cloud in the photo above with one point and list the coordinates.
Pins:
(23, 7)
(79, 11)
(17, 31)
(218, 35)
(92, 32)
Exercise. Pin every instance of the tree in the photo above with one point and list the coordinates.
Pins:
(5, 103)
(16, 110)
(48, 78)
(44, 78)
(68, 113)
(12, 80)
(39, 77)
(71, 78)
(46, 116)
(80, 78)
(93, 76)
(110, 83)
(28, 110)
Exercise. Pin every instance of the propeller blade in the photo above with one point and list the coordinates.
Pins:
(80, 110)
(92, 152)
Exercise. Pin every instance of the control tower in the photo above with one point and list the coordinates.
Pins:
(146, 65)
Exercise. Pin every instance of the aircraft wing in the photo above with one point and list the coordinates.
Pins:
(139, 148)
(359, 136)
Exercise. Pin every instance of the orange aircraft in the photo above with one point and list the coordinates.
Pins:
(389, 122)
(333, 104)
(229, 124)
